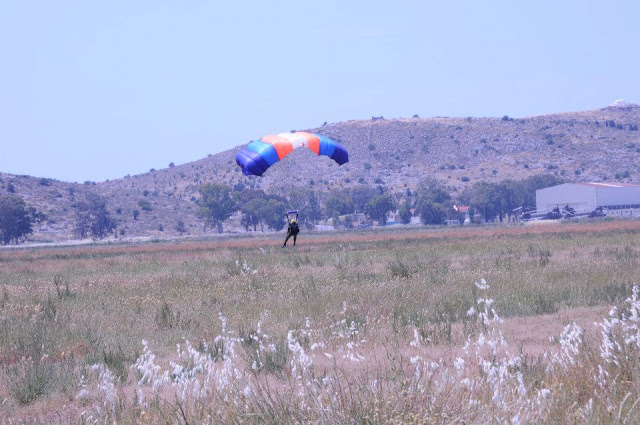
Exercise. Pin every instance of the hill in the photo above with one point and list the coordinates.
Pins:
(599, 145)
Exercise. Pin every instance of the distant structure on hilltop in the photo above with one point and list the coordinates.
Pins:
(621, 103)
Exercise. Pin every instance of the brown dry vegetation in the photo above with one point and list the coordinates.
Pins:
(381, 315)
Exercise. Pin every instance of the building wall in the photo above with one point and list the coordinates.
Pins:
(624, 213)
(575, 195)
(618, 196)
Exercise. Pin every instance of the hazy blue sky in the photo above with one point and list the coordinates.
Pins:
(97, 90)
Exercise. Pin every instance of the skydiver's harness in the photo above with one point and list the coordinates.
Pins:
(292, 220)
(293, 228)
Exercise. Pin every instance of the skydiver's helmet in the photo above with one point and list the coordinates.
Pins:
(293, 220)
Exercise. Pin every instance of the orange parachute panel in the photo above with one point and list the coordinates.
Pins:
(283, 146)
(313, 141)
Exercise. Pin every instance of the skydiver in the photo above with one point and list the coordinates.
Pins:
(292, 230)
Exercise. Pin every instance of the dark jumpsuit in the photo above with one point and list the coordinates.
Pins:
(292, 231)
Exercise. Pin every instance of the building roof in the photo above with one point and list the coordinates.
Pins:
(602, 184)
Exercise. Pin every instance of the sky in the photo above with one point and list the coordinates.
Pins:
(98, 90)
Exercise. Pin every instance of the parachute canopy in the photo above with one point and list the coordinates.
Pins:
(262, 154)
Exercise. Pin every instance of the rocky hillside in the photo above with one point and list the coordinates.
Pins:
(600, 145)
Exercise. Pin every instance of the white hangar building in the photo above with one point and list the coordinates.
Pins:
(620, 199)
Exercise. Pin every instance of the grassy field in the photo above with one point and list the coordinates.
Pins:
(365, 327)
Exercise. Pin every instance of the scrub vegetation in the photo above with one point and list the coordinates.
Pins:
(476, 325)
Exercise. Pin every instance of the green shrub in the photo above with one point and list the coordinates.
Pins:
(117, 362)
(144, 205)
(28, 379)
(399, 269)
(262, 356)
(63, 293)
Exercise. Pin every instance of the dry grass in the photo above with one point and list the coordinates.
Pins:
(325, 332)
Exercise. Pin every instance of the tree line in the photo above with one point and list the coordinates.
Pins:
(258, 209)
(92, 218)
(491, 201)
(496, 201)
(431, 201)
(15, 219)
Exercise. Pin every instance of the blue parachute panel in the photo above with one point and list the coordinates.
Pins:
(340, 154)
(251, 162)
(266, 150)
(327, 146)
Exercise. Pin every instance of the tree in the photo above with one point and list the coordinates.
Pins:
(272, 213)
(243, 196)
(499, 199)
(485, 198)
(251, 213)
(434, 190)
(362, 195)
(263, 211)
(405, 213)
(216, 204)
(431, 212)
(15, 221)
(433, 201)
(304, 200)
(379, 207)
(494, 199)
(92, 217)
(536, 182)
(245, 221)
(311, 211)
(35, 216)
(511, 196)
(339, 204)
